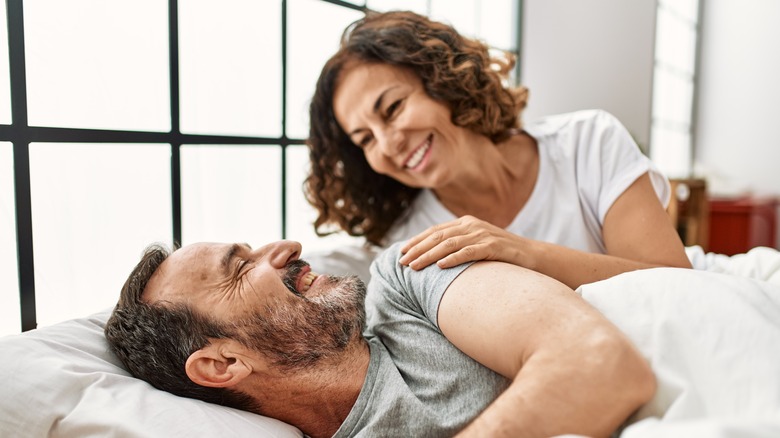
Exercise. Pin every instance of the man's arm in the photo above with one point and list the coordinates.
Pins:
(572, 370)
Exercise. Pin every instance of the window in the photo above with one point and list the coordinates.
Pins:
(242, 181)
(677, 24)
(90, 64)
(10, 318)
(101, 204)
(230, 67)
(154, 121)
(5, 79)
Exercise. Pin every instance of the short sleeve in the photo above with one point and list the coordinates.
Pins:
(620, 160)
(397, 290)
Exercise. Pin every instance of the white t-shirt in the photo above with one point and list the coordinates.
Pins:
(587, 160)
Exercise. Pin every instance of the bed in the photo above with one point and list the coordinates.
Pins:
(712, 337)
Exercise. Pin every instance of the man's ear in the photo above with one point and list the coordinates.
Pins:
(220, 364)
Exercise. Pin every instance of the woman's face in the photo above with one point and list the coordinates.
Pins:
(404, 133)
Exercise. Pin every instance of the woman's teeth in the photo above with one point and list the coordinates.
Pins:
(418, 155)
(307, 280)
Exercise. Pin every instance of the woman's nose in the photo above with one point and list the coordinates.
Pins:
(391, 141)
(280, 253)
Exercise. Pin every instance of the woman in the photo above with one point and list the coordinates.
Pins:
(413, 136)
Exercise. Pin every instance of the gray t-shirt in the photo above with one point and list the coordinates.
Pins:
(418, 383)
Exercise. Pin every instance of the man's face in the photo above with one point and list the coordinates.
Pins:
(276, 304)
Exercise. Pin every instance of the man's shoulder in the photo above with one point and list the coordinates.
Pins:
(388, 256)
(388, 272)
(396, 289)
(385, 270)
(390, 280)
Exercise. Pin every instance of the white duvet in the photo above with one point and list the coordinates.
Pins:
(713, 341)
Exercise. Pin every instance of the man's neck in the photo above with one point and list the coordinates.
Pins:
(315, 401)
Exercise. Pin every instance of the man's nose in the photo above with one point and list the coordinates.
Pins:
(280, 253)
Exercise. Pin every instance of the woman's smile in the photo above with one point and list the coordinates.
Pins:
(419, 156)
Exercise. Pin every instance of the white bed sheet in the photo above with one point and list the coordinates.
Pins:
(62, 381)
(760, 263)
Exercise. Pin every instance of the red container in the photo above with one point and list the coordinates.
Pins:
(739, 224)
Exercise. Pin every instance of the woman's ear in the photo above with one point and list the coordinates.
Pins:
(220, 364)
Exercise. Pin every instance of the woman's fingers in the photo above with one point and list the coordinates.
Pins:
(431, 245)
(416, 240)
(451, 243)
(465, 254)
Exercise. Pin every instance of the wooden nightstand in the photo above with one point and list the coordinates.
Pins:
(689, 211)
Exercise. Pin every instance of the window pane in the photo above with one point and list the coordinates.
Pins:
(670, 150)
(464, 17)
(98, 64)
(308, 52)
(95, 208)
(492, 21)
(5, 74)
(498, 23)
(300, 214)
(675, 42)
(673, 86)
(231, 67)
(231, 194)
(672, 96)
(686, 9)
(10, 317)
(419, 6)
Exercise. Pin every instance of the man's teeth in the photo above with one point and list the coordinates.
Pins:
(418, 155)
(307, 280)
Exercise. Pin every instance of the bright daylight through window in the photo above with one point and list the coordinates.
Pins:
(213, 153)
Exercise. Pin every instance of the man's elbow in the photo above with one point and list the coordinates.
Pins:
(642, 381)
(626, 382)
(681, 263)
(632, 380)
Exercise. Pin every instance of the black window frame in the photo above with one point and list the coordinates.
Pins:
(20, 134)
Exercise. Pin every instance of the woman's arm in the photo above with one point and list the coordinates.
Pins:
(572, 371)
(637, 233)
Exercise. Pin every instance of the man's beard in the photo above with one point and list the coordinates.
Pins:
(299, 332)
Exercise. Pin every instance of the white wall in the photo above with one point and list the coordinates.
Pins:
(590, 54)
(599, 53)
(737, 137)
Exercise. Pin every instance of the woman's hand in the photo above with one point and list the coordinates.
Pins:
(462, 240)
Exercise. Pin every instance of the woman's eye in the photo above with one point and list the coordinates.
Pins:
(365, 141)
(393, 108)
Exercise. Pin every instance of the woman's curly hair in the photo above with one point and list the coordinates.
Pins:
(455, 70)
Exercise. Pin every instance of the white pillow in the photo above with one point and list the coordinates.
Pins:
(62, 380)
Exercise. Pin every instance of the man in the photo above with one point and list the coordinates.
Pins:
(486, 349)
